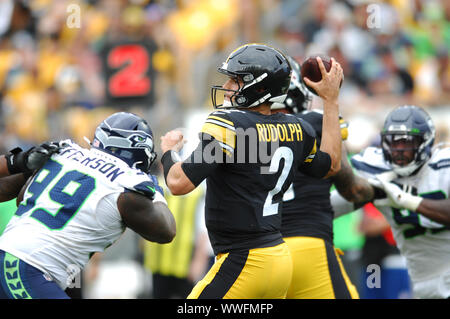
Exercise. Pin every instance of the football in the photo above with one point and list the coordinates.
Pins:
(310, 69)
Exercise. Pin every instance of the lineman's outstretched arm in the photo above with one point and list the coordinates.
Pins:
(437, 210)
(352, 187)
(10, 186)
(352, 191)
(17, 166)
(18, 161)
(151, 219)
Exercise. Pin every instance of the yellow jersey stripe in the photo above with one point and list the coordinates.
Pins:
(311, 155)
(221, 119)
(221, 134)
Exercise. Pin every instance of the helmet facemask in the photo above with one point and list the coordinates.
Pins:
(251, 91)
(397, 147)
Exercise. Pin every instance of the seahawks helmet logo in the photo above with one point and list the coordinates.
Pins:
(139, 141)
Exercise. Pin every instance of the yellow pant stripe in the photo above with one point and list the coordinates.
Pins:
(198, 289)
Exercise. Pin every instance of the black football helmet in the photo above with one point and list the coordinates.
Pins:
(414, 125)
(298, 96)
(128, 137)
(265, 72)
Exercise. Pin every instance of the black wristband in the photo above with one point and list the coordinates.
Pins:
(167, 161)
(15, 160)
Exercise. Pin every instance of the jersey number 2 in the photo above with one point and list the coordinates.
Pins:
(69, 194)
(282, 152)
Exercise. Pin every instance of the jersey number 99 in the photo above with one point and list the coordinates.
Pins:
(69, 193)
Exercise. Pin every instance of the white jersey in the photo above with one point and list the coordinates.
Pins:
(425, 244)
(69, 211)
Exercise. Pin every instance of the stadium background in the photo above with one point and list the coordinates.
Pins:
(66, 65)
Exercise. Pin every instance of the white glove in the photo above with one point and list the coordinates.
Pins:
(396, 197)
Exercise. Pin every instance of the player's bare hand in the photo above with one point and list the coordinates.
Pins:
(328, 87)
(172, 141)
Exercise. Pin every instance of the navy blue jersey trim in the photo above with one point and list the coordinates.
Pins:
(361, 166)
(444, 163)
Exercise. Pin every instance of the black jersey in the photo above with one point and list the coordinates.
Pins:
(307, 209)
(249, 160)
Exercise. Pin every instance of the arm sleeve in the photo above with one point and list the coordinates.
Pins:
(319, 166)
(317, 163)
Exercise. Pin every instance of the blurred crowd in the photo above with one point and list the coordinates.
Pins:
(52, 77)
(54, 85)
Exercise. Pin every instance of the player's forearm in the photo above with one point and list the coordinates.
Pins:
(331, 135)
(177, 181)
(3, 166)
(166, 230)
(10, 186)
(174, 176)
(352, 187)
(158, 228)
(360, 193)
(436, 210)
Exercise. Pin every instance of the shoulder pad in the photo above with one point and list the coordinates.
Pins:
(220, 126)
(220, 118)
(135, 180)
(440, 158)
(370, 161)
(146, 188)
(139, 183)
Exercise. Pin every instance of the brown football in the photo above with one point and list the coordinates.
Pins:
(310, 69)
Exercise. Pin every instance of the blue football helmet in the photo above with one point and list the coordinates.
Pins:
(414, 126)
(128, 137)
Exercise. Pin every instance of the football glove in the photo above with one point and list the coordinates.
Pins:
(397, 196)
(34, 158)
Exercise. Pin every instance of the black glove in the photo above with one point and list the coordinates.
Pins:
(26, 162)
